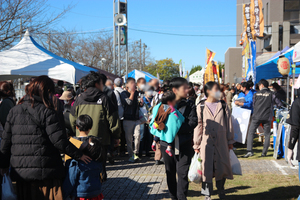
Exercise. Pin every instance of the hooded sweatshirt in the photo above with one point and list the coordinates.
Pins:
(106, 121)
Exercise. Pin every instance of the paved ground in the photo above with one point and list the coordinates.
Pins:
(144, 180)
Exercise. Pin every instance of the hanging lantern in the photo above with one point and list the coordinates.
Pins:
(283, 65)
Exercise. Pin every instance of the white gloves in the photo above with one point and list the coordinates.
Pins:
(290, 157)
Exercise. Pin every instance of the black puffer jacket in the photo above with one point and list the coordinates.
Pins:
(186, 131)
(34, 153)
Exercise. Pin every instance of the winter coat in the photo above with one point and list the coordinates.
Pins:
(5, 107)
(106, 121)
(172, 125)
(212, 136)
(131, 107)
(32, 150)
(263, 104)
(185, 133)
(82, 180)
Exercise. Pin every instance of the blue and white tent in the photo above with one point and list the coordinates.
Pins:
(28, 59)
(269, 69)
(136, 74)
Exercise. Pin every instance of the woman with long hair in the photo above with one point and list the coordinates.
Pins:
(213, 138)
(32, 141)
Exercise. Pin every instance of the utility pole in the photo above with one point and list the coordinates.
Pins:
(21, 29)
(141, 68)
(145, 46)
(114, 40)
(120, 24)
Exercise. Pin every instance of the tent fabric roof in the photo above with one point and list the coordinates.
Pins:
(269, 69)
(136, 74)
(28, 59)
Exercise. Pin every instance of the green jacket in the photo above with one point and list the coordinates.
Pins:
(106, 121)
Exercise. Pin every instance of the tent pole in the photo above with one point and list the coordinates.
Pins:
(287, 89)
(293, 90)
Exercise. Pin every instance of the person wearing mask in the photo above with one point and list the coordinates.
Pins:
(213, 138)
(118, 82)
(109, 84)
(109, 91)
(141, 84)
(197, 89)
(148, 96)
(247, 93)
(157, 94)
(95, 103)
(131, 122)
(263, 102)
(32, 142)
(279, 92)
(182, 152)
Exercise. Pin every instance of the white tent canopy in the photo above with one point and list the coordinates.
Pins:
(296, 54)
(28, 59)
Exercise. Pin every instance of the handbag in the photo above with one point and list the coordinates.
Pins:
(235, 163)
(8, 192)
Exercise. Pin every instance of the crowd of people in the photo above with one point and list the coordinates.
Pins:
(104, 119)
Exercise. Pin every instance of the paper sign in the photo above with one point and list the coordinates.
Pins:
(240, 122)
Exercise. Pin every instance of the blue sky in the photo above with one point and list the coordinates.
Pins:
(191, 17)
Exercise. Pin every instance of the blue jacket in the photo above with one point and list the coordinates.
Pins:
(147, 102)
(248, 100)
(172, 125)
(82, 180)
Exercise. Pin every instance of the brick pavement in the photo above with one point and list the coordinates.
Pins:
(144, 180)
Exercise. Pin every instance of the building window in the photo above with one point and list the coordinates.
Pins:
(291, 11)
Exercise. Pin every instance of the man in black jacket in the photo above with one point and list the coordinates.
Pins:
(182, 151)
(263, 102)
(131, 122)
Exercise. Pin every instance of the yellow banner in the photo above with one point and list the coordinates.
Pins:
(257, 19)
(212, 72)
(209, 56)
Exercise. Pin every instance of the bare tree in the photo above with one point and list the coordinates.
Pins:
(18, 15)
(90, 50)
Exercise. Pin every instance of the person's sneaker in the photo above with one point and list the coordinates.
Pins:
(169, 152)
(249, 154)
(110, 158)
(153, 147)
(158, 162)
(131, 159)
(135, 157)
(263, 155)
(207, 198)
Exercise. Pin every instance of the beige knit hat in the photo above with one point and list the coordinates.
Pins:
(67, 95)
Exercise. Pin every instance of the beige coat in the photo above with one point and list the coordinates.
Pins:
(212, 138)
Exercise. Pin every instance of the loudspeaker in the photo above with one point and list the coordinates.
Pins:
(120, 20)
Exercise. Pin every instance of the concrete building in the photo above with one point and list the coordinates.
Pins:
(282, 29)
(233, 64)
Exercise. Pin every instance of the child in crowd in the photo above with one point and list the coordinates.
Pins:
(166, 121)
(83, 181)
